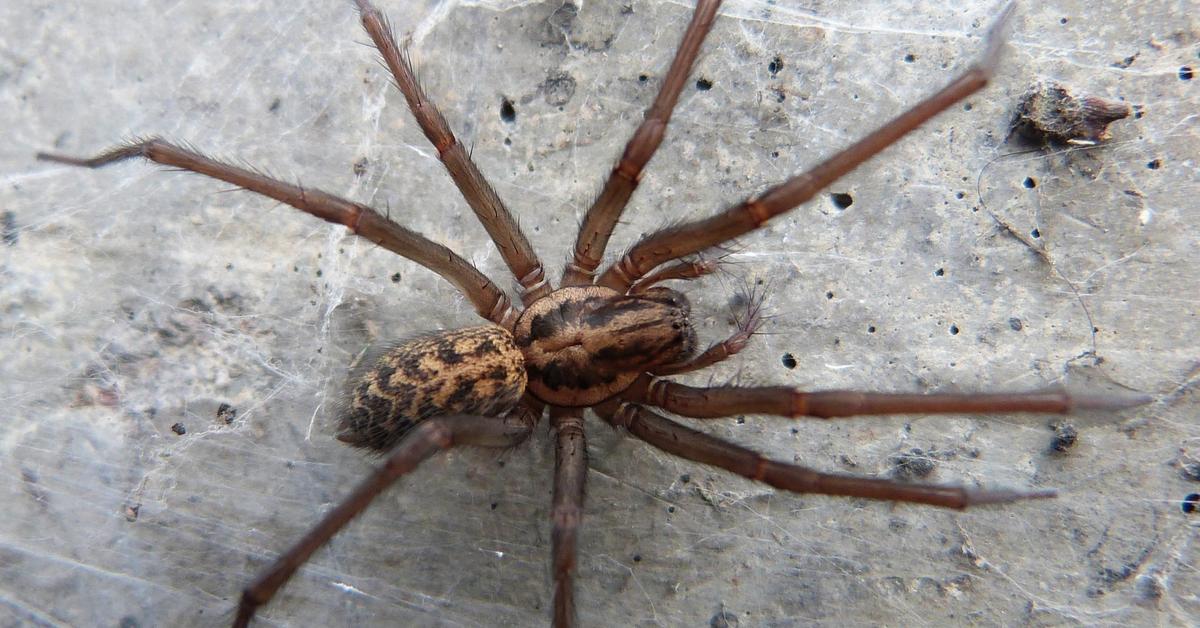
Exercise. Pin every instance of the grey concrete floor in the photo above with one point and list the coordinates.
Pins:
(133, 300)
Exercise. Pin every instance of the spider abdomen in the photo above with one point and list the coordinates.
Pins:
(477, 370)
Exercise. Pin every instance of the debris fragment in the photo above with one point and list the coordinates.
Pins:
(1051, 114)
(226, 413)
(1065, 436)
(912, 465)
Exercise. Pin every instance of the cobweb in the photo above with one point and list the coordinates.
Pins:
(172, 350)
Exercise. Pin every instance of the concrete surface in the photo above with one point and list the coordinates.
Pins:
(134, 300)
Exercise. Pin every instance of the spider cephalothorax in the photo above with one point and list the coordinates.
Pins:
(583, 345)
(602, 340)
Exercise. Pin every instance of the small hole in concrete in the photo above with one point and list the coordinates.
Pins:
(841, 200)
(507, 112)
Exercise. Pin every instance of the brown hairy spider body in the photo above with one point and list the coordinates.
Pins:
(603, 340)
(579, 346)
(583, 345)
(477, 370)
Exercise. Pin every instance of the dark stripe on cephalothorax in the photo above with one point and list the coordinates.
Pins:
(609, 310)
(552, 375)
(644, 323)
(628, 351)
(559, 376)
(552, 322)
(546, 325)
(589, 312)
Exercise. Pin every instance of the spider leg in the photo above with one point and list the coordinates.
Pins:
(570, 475)
(604, 213)
(496, 219)
(489, 301)
(695, 236)
(785, 401)
(427, 438)
(685, 442)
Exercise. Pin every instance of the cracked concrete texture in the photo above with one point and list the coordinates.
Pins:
(138, 304)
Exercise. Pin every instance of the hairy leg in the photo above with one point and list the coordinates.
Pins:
(692, 237)
(497, 220)
(785, 401)
(427, 438)
(489, 301)
(685, 442)
(603, 215)
(570, 476)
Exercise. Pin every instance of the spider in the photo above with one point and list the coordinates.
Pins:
(605, 340)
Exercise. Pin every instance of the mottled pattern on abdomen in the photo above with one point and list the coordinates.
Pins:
(478, 370)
